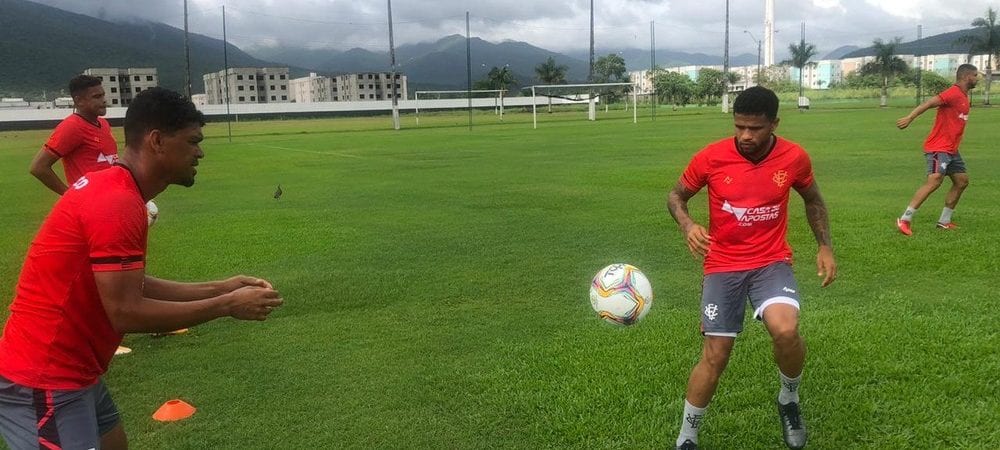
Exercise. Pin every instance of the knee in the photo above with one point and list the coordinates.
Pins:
(934, 180)
(961, 183)
(785, 334)
(715, 358)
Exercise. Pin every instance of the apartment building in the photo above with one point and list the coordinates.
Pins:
(368, 86)
(121, 85)
(247, 85)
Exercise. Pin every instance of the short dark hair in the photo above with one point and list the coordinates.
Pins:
(757, 101)
(964, 70)
(159, 109)
(81, 83)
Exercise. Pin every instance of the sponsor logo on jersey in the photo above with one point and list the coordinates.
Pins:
(748, 216)
(81, 183)
(110, 159)
(964, 117)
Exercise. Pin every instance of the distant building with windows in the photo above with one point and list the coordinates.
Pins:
(347, 88)
(247, 85)
(121, 85)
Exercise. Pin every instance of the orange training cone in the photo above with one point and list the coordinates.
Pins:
(174, 410)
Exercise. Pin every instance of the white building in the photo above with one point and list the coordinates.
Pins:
(121, 85)
(247, 85)
(311, 89)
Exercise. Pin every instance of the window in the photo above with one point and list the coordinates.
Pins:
(370, 76)
(371, 86)
(253, 98)
(361, 77)
(243, 99)
(273, 98)
(283, 87)
(252, 87)
(149, 78)
(239, 88)
(284, 97)
(271, 77)
(239, 77)
(138, 89)
(362, 96)
(250, 77)
(114, 101)
(272, 86)
(112, 78)
(136, 78)
(114, 90)
(281, 77)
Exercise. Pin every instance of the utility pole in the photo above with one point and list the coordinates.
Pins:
(187, 55)
(468, 65)
(590, 75)
(725, 67)
(920, 68)
(392, 73)
(225, 73)
(652, 67)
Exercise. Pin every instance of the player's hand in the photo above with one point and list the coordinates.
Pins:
(254, 302)
(903, 123)
(233, 283)
(826, 266)
(698, 240)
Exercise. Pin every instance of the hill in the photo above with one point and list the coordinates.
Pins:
(43, 47)
(938, 44)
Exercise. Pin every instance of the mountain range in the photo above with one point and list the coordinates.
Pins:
(43, 47)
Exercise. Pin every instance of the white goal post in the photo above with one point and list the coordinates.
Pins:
(498, 101)
(591, 100)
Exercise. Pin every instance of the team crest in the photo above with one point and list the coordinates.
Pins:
(728, 180)
(780, 178)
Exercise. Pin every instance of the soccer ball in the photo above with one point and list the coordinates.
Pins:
(621, 294)
(152, 212)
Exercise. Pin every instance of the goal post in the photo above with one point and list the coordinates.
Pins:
(497, 99)
(542, 89)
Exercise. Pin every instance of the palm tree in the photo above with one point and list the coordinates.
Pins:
(988, 42)
(801, 54)
(551, 73)
(886, 65)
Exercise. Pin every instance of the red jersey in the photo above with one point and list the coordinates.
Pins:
(58, 335)
(83, 146)
(949, 124)
(748, 202)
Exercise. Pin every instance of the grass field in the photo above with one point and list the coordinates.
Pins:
(436, 284)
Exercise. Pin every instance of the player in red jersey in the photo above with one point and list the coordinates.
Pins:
(746, 255)
(941, 147)
(83, 286)
(83, 141)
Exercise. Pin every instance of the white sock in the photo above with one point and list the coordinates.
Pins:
(908, 214)
(789, 389)
(946, 215)
(690, 423)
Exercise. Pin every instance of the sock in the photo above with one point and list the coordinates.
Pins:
(946, 215)
(789, 389)
(690, 423)
(908, 214)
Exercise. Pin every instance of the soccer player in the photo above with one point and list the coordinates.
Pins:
(746, 255)
(83, 141)
(941, 147)
(83, 285)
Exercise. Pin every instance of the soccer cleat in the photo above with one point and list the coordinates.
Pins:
(688, 445)
(947, 226)
(904, 227)
(792, 427)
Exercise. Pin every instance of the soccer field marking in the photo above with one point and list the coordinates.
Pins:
(346, 155)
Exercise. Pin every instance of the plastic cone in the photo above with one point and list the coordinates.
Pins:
(122, 350)
(174, 410)
(171, 333)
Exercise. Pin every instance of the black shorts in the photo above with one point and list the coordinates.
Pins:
(68, 419)
(724, 296)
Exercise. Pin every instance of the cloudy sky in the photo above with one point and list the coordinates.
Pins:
(559, 25)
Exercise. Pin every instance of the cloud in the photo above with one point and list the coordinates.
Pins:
(559, 25)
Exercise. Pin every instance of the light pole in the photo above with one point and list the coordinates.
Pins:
(758, 53)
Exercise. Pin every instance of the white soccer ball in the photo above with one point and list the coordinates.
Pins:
(152, 212)
(621, 294)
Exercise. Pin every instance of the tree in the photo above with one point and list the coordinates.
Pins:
(673, 87)
(708, 85)
(986, 40)
(611, 69)
(497, 78)
(886, 64)
(551, 73)
(801, 54)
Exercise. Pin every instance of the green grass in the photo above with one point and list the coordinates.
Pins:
(436, 284)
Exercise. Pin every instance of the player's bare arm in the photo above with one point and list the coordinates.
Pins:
(697, 237)
(131, 312)
(819, 222)
(41, 168)
(176, 291)
(932, 102)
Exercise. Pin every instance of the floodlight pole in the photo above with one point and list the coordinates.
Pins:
(225, 73)
(187, 55)
(920, 69)
(392, 73)
(652, 67)
(468, 64)
(534, 109)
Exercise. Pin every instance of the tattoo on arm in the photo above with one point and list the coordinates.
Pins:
(817, 216)
(677, 205)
